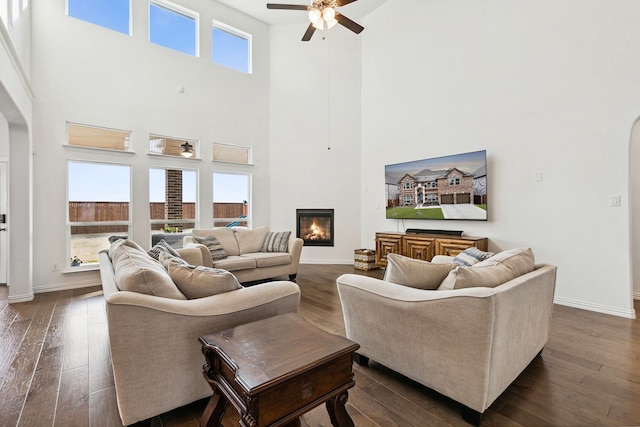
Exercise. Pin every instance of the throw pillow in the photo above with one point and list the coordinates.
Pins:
(471, 256)
(415, 273)
(199, 282)
(488, 276)
(250, 241)
(166, 259)
(276, 241)
(519, 260)
(160, 247)
(214, 246)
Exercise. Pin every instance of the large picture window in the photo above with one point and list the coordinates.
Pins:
(172, 200)
(99, 206)
(231, 195)
(173, 26)
(112, 14)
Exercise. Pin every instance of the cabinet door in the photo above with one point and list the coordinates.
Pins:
(452, 247)
(386, 244)
(418, 247)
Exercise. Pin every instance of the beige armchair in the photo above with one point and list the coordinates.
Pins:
(155, 353)
(468, 344)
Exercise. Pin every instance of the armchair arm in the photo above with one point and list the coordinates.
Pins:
(196, 254)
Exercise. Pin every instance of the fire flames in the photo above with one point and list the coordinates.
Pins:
(315, 232)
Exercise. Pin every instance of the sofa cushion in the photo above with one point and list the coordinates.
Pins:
(162, 247)
(234, 263)
(250, 240)
(415, 273)
(268, 259)
(471, 256)
(115, 252)
(136, 271)
(226, 236)
(277, 241)
(199, 282)
(166, 259)
(215, 247)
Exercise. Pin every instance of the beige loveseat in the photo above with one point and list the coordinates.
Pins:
(467, 343)
(155, 353)
(245, 255)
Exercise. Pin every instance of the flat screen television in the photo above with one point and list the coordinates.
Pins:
(449, 187)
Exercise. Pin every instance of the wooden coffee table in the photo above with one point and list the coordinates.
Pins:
(276, 369)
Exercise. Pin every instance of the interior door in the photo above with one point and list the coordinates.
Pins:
(4, 187)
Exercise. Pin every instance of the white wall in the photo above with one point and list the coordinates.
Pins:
(550, 87)
(315, 133)
(87, 74)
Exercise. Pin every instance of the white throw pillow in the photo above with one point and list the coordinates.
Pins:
(415, 273)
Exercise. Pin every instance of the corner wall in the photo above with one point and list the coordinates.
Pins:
(548, 87)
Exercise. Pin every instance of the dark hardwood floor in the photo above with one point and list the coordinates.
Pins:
(55, 369)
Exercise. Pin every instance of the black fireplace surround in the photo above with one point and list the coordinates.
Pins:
(315, 226)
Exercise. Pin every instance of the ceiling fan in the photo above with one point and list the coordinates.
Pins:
(322, 12)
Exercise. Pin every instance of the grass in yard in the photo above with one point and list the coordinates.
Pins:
(407, 212)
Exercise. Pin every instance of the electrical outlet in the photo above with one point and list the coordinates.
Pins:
(54, 267)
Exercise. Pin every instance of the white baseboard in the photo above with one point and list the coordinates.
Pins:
(631, 314)
(327, 261)
(66, 286)
(14, 299)
(636, 295)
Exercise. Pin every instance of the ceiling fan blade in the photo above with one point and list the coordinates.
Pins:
(286, 6)
(344, 2)
(307, 35)
(348, 23)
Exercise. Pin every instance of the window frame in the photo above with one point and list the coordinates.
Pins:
(69, 224)
(249, 151)
(88, 147)
(238, 33)
(194, 143)
(180, 10)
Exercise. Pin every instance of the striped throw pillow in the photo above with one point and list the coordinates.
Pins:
(162, 247)
(276, 241)
(471, 256)
(214, 246)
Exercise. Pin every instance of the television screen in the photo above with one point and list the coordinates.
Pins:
(450, 187)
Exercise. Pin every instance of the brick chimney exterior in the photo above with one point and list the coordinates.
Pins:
(173, 188)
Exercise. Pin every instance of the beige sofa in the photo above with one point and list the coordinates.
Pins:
(468, 344)
(156, 357)
(245, 258)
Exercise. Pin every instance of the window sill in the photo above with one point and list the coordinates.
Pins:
(82, 268)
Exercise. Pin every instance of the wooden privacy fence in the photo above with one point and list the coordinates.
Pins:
(119, 211)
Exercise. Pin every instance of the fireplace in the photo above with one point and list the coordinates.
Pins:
(315, 226)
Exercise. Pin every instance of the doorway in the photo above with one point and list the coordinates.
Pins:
(4, 188)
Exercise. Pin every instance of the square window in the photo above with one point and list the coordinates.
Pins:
(112, 14)
(172, 200)
(231, 47)
(173, 26)
(231, 193)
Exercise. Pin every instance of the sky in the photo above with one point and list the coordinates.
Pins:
(99, 182)
(466, 162)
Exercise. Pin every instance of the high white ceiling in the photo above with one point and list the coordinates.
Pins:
(258, 9)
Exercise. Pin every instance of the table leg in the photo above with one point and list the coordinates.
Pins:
(337, 411)
(213, 413)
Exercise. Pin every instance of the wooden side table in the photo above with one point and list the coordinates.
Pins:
(276, 369)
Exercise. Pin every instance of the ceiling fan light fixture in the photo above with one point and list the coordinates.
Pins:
(329, 14)
(315, 16)
(187, 150)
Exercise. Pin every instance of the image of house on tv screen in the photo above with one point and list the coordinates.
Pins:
(450, 187)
